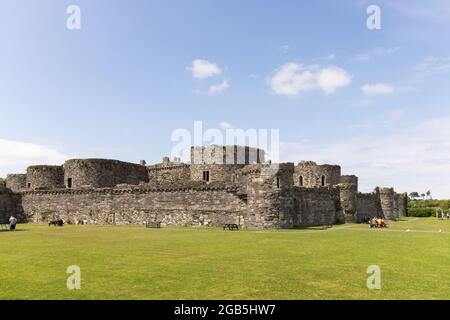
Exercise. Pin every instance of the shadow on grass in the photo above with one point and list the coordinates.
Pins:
(17, 230)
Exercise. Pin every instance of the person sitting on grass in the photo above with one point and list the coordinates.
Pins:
(374, 223)
(12, 223)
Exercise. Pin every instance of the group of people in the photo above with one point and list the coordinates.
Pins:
(377, 223)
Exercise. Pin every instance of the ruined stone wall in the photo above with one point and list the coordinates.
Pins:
(367, 207)
(348, 186)
(273, 201)
(222, 162)
(214, 154)
(179, 207)
(45, 177)
(169, 175)
(101, 173)
(9, 205)
(402, 205)
(388, 203)
(217, 172)
(16, 182)
(317, 207)
(309, 175)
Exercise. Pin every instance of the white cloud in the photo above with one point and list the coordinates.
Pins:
(218, 88)
(411, 159)
(377, 89)
(375, 53)
(15, 154)
(292, 79)
(203, 69)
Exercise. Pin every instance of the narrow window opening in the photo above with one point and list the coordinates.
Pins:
(323, 181)
(278, 182)
(300, 181)
(29, 185)
(69, 183)
(206, 176)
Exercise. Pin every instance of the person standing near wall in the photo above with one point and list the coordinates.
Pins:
(12, 223)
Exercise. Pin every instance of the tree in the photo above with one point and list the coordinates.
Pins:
(2, 182)
(429, 194)
(414, 195)
(423, 196)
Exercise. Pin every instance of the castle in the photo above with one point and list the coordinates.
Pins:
(221, 184)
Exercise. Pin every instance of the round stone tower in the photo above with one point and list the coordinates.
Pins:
(387, 203)
(348, 186)
(45, 177)
(102, 173)
(16, 182)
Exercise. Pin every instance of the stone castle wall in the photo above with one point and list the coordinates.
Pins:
(16, 182)
(9, 205)
(102, 173)
(308, 174)
(180, 207)
(241, 189)
(171, 174)
(44, 177)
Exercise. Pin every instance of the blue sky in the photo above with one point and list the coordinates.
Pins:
(374, 101)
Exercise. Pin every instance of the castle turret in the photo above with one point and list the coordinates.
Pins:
(220, 163)
(348, 186)
(387, 203)
(310, 175)
(269, 197)
(45, 177)
(16, 182)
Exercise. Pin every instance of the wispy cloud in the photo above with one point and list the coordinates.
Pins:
(410, 159)
(377, 89)
(292, 79)
(218, 88)
(433, 65)
(376, 52)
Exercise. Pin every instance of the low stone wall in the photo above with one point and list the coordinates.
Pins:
(178, 207)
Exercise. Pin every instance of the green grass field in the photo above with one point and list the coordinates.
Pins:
(132, 262)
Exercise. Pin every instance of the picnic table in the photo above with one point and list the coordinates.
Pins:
(230, 226)
(153, 224)
(4, 225)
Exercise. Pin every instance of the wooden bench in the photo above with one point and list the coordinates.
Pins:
(153, 224)
(4, 226)
(230, 226)
(55, 223)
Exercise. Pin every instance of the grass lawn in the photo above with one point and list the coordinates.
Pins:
(132, 262)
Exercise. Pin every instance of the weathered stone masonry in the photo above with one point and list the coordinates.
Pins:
(222, 184)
